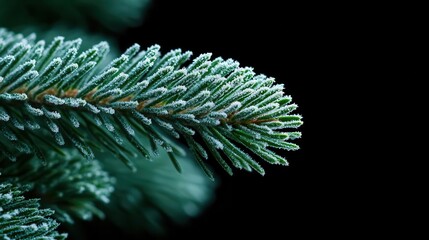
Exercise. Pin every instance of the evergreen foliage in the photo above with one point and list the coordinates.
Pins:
(66, 184)
(21, 218)
(60, 91)
(156, 194)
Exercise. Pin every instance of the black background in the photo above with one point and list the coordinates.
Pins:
(293, 43)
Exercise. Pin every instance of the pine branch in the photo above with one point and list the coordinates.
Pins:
(21, 218)
(58, 91)
(65, 184)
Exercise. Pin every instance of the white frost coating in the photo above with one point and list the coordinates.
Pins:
(74, 120)
(7, 196)
(133, 50)
(259, 128)
(5, 216)
(97, 121)
(199, 61)
(23, 148)
(3, 115)
(32, 125)
(245, 92)
(217, 115)
(126, 126)
(92, 108)
(96, 81)
(56, 62)
(143, 119)
(17, 124)
(160, 74)
(44, 226)
(109, 93)
(39, 47)
(74, 102)
(281, 111)
(269, 99)
(124, 105)
(107, 110)
(152, 93)
(248, 84)
(294, 135)
(32, 227)
(232, 108)
(226, 86)
(174, 105)
(202, 109)
(6, 60)
(83, 149)
(242, 114)
(200, 85)
(225, 67)
(65, 73)
(133, 90)
(59, 139)
(52, 126)
(254, 95)
(13, 96)
(210, 121)
(164, 124)
(212, 141)
(291, 124)
(155, 111)
(261, 111)
(51, 114)
(33, 111)
(107, 123)
(54, 100)
(183, 129)
(114, 83)
(186, 117)
(197, 99)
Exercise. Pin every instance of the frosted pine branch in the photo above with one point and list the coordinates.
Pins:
(65, 183)
(21, 218)
(57, 90)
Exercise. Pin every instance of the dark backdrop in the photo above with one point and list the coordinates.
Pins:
(290, 42)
